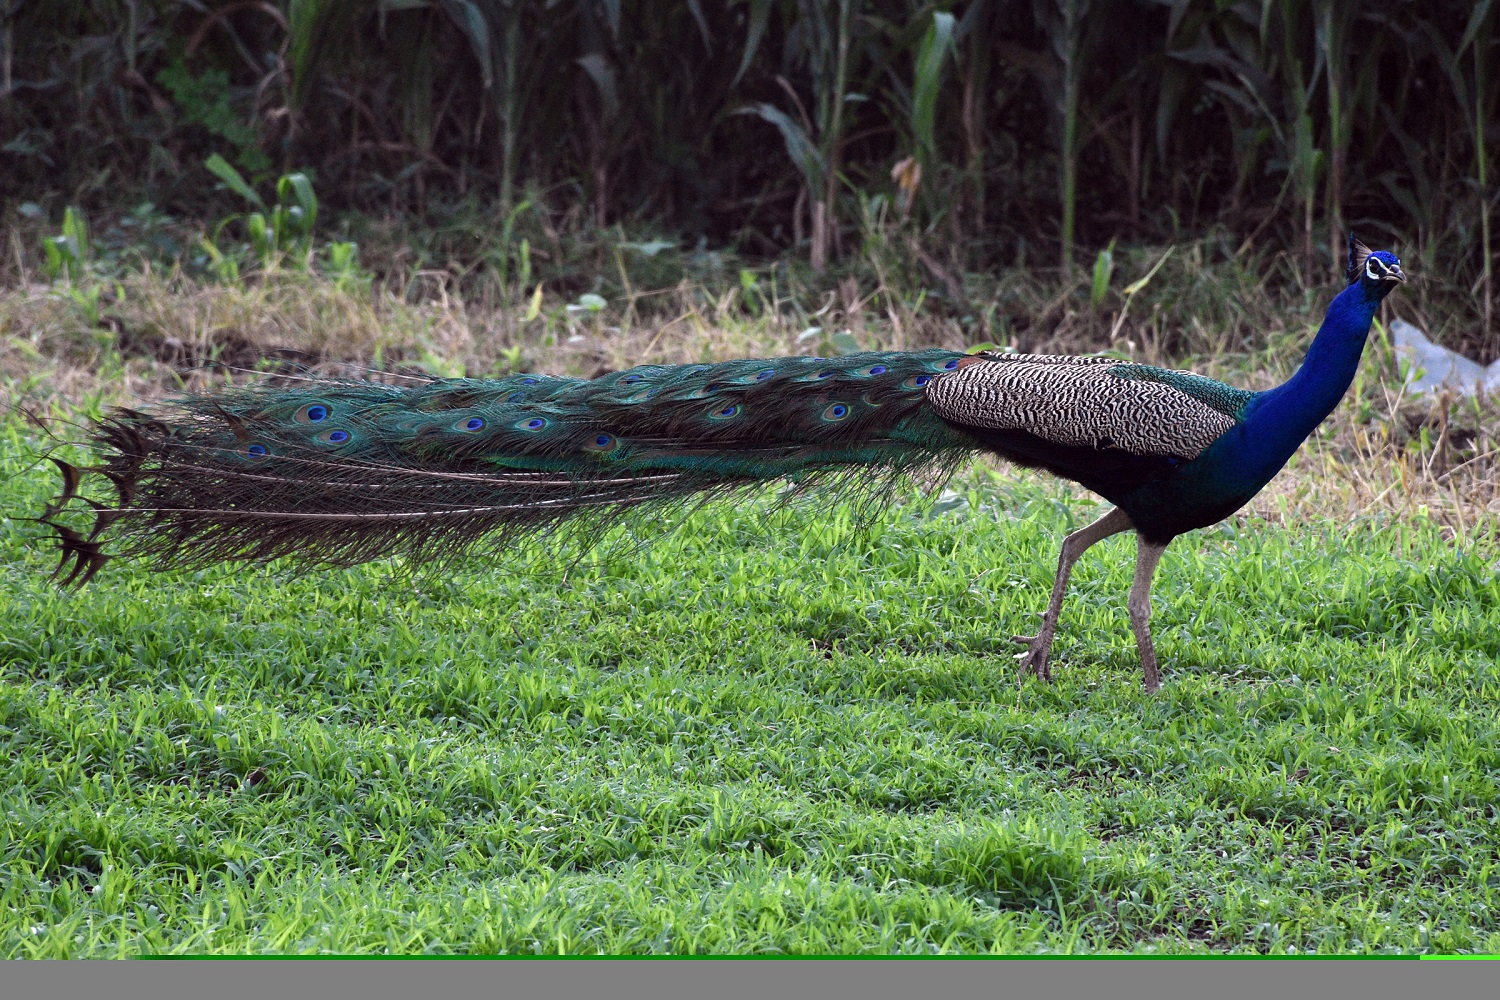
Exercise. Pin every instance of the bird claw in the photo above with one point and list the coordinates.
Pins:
(1034, 660)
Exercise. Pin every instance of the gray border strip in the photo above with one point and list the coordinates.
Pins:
(828, 979)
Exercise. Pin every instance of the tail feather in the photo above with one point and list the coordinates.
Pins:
(341, 472)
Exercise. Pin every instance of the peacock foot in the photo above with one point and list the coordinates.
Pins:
(1034, 660)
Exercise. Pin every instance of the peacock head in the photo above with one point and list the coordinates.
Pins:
(1378, 270)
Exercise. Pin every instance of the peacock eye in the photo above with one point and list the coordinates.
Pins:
(917, 381)
(763, 375)
(535, 424)
(528, 381)
(337, 437)
(949, 366)
(257, 451)
(726, 412)
(878, 369)
(825, 374)
(631, 378)
(603, 440)
(312, 413)
(474, 424)
(838, 411)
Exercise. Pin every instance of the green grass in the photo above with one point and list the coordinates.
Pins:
(753, 736)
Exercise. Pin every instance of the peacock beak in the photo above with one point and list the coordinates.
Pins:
(1394, 273)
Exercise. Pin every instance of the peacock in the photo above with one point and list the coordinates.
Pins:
(338, 472)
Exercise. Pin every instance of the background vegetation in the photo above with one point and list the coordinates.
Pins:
(904, 144)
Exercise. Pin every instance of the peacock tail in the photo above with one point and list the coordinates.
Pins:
(340, 472)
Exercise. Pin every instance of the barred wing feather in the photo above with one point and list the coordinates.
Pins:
(1093, 402)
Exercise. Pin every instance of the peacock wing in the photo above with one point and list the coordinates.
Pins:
(1089, 402)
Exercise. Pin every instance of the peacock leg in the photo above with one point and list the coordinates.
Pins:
(1147, 555)
(1040, 645)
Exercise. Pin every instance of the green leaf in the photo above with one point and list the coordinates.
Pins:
(755, 30)
(696, 9)
(1476, 22)
(77, 233)
(1104, 269)
(799, 146)
(588, 302)
(305, 19)
(471, 22)
(300, 189)
(935, 44)
(1136, 286)
(224, 171)
(603, 75)
(255, 224)
(53, 247)
(843, 342)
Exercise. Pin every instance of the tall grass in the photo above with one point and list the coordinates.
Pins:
(768, 125)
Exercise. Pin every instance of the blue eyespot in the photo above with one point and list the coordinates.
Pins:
(878, 369)
(514, 397)
(826, 374)
(257, 451)
(337, 437)
(535, 424)
(763, 375)
(838, 411)
(603, 442)
(725, 413)
(631, 378)
(950, 365)
(471, 424)
(916, 381)
(528, 381)
(312, 413)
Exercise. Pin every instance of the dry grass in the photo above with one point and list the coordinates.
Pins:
(154, 332)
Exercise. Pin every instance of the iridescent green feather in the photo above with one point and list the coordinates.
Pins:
(343, 471)
(1225, 398)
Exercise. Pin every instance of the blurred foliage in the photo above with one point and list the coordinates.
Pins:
(993, 132)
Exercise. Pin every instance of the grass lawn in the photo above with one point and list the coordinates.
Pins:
(758, 735)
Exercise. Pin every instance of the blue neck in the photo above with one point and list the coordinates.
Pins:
(1281, 418)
